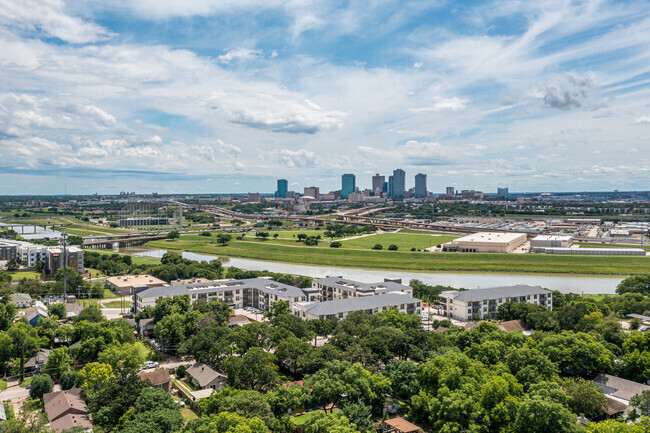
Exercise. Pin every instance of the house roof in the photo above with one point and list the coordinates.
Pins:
(402, 425)
(356, 304)
(513, 325)
(69, 421)
(239, 320)
(203, 374)
(73, 309)
(32, 312)
(266, 285)
(495, 292)
(146, 322)
(61, 403)
(619, 387)
(614, 406)
(20, 297)
(157, 377)
(357, 286)
(42, 356)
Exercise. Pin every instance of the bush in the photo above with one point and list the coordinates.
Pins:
(336, 244)
(311, 241)
(41, 384)
(174, 234)
(180, 371)
(635, 324)
(206, 234)
(414, 249)
(68, 380)
(392, 247)
(378, 247)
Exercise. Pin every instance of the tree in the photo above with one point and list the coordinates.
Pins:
(392, 247)
(154, 411)
(584, 397)
(58, 362)
(68, 379)
(75, 240)
(359, 415)
(249, 404)
(57, 310)
(335, 244)
(7, 314)
(12, 265)
(255, 370)
(226, 422)
(275, 236)
(278, 308)
(636, 284)
(262, 235)
(92, 313)
(378, 247)
(543, 416)
(41, 384)
(329, 423)
(114, 398)
(403, 376)
(74, 280)
(223, 239)
(126, 355)
(181, 371)
(174, 234)
(206, 234)
(94, 376)
(25, 342)
(635, 323)
(640, 405)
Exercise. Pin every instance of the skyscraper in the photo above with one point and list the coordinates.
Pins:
(451, 191)
(283, 186)
(312, 191)
(399, 184)
(378, 182)
(348, 185)
(502, 192)
(390, 182)
(420, 185)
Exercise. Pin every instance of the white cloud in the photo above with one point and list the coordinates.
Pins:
(240, 54)
(297, 158)
(443, 104)
(642, 120)
(228, 149)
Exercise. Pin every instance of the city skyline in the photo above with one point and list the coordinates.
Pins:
(218, 97)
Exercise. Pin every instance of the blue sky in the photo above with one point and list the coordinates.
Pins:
(215, 96)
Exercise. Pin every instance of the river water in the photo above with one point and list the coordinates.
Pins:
(32, 231)
(466, 280)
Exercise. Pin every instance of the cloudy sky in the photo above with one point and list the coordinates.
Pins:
(211, 96)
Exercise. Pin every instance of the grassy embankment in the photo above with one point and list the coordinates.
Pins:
(292, 252)
(71, 225)
(17, 276)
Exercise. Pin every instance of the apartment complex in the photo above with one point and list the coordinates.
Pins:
(51, 256)
(481, 304)
(340, 308)
(331, 288)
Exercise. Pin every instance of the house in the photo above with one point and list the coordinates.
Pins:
(66, 410)
(128, 284)
(37, 361)
(147, 326)
(203, 377)
(239, 320)
(32, 314)
(73, 310)
(399, 425)
(21, 300)
(158, 378)
(513, 325)
(618, 392)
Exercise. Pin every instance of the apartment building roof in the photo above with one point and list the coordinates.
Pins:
(356, 286)
(495, 292)
(124, 281)
(266, 285)
(357, 304)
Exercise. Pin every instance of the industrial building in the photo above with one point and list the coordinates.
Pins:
(487, 242)
(592, 251)
(480, 304)
(143, 222)
(551, 241)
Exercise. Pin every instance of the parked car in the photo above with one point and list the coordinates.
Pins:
(150, 364)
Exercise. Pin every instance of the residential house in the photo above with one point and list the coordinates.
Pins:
(32, 314)
(399, 425)
(66, 410)
(147, 326)
(158, 378)
(37, 361)
(21, 300)
(73, 310)
(204, 377)
(618, 392)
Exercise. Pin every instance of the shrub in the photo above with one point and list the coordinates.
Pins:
(378, 247)
(68, 380)
(392, 247)
(41, 384)
(413, 249)
(206, 234)
(336, 244)
(635, 324)
(180, 371)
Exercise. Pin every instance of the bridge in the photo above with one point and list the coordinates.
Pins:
(121, 241)
(31, 228)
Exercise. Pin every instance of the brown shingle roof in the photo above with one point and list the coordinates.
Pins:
(614, 406)
(513, 325)
(203, 374)
(619, 387)
(157, 377)
(42, 356)
(66, 409)
(66, 422)
(402, 425)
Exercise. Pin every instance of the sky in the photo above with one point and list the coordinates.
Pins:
(218, 96)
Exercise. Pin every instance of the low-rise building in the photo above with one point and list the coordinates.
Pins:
(340, 308)
(331, 288)
(399, 425)
(32, 314)
(158, 378)
(21, 300)
(129, 284)
(618, 392)
(488, 242)
(66, 410)
(204, 377)
(37, 361)
(481, 304)
(551, 241)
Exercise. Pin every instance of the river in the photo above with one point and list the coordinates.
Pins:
(28, 231)
(467, 280)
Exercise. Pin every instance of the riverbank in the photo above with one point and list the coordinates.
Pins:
(414, 261)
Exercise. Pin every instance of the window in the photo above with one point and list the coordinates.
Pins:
(500, 300)
(535, 297)
(485, 302)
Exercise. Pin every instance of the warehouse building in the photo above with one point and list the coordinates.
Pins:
(487, 242)
(481, 304)
(551, 241)
(340, 308)
(592, 251)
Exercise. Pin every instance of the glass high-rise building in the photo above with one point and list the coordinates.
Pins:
(420, 185)
(283, 187)
(348, 185)
(378, 182)
(399, 184)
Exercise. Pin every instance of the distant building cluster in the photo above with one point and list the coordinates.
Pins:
(29, 254)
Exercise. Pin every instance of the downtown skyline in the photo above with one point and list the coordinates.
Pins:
(226, 97)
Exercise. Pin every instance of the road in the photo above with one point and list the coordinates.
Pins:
(18, 392)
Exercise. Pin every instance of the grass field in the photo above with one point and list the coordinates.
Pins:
(3, 384)
(298, 253)
(27, 381)
(71, 225)
(403, 241)
(17, 276)
(117, 304)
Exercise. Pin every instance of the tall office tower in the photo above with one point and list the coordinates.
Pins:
(378, 182)
(312, 191)
(420, 185)
(502, 192)
(384, 188)
(348, 185)
(391, 185)
(283, 186)
(399, 184)
(451, 191)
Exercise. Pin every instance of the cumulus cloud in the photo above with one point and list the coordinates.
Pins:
(97, 114)
(276, 113)
(571, 91)
(228, 149)
(49, 17)
(297, 158)
(240, 54)
(642, 120)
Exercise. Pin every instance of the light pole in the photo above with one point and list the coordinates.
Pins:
(65, 264)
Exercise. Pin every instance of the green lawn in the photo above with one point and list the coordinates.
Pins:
(403, 241)
(17, 276)
(298, 253)
(117, 304)
(3, 384)
(26, 382)
(188, 414)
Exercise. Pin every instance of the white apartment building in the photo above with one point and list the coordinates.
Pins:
(481, 304)
(331, 288)
(340, 308)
